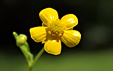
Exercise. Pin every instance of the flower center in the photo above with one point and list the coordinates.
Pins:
(56, 28)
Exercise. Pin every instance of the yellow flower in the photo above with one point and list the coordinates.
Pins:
(55, 30)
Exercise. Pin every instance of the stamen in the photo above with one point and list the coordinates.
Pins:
(56, 28)
(53, 34)
(49, 32)
(56, 32)
(59, 34)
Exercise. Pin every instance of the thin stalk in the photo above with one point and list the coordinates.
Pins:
(36, 58)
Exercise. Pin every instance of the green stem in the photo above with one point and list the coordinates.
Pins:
(29, 69)
(36, 58)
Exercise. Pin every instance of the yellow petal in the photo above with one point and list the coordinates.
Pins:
(71, 38)
(70, 20)
(53, 47)
(48, 15)
(38, 34)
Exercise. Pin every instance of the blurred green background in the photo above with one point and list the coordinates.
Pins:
(94, 53)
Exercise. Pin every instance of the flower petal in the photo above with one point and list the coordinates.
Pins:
(53, 47)
(70, 20)
(71, 38)
(38, 34)
(48, 15)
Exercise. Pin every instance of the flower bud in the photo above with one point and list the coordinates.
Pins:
(21, 39)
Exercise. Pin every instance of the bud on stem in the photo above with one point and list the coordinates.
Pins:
(21, 39)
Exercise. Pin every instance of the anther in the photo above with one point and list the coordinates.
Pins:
(53, 34)
(56, 32)
(59, 34)
(49, 32)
